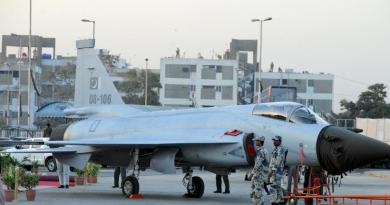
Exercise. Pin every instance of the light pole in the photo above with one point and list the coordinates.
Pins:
(93, 22)
(29, 70)
(260, 60)
(146, 81)
(19, 76)
(8, 90)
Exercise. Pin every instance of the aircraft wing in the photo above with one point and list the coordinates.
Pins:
(154, 139)
(44, 150)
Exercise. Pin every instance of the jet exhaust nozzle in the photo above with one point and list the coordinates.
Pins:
(340, 150)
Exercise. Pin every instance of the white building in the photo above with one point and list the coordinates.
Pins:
(198, 82)
(11, 104)
(313, 90)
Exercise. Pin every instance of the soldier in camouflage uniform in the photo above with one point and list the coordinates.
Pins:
(276, 170)
(258, 174)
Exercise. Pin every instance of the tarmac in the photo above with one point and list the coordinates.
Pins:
(168, 190)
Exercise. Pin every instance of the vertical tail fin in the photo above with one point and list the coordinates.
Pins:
(93, 85)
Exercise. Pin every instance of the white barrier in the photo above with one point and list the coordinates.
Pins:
(376, 128)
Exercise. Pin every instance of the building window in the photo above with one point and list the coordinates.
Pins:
(192, 87)
(310, 102)
(209, 66)
(208, 72)
(208, 92)
(15, 74)
(227, 92)
(310, 83)
(218, 88)
(227, 73)
(193, 68)
(177, 71)
(219, 69)
(284, 81)
(177, 91)
(185, 69)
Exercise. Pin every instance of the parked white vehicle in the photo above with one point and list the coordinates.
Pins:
(26, 159)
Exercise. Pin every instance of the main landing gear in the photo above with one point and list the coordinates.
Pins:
(130, 186)
(194, 185)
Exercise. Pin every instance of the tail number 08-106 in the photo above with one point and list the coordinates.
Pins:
(103, 99)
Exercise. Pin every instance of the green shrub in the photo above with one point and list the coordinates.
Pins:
(35, 164)
(6, 160)
(9, 176)
(79, 172)
(30, 180)
(92, 169)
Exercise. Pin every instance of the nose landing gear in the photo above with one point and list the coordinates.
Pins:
(194, 185)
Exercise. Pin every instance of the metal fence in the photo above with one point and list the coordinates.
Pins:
(17, 132)
(346, 123)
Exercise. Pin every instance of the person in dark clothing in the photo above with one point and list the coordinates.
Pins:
(119, 171)
(219, 183)
(47, 131)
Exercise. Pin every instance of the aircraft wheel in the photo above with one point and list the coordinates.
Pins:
(130, 186)
(51, 164)
(197, 189)
(293, 201)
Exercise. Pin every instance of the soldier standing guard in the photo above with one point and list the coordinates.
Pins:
(258, 174)
(276, 170)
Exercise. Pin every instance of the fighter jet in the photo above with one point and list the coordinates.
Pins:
(218, 139)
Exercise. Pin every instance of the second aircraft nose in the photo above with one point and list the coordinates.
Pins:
(340, 150)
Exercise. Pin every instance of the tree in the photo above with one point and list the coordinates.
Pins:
(371, 104)
(109, 60)
(134, 87)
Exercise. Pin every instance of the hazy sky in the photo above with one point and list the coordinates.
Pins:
(350, 38)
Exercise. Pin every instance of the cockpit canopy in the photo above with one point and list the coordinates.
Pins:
(288, 111)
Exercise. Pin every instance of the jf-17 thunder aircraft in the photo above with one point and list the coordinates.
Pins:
(218, 139)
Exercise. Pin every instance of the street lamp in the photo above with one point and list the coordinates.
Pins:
(20, 78)
(260, 60)
(93, 22)
(8, 92)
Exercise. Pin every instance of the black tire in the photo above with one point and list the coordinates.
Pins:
(51, 164)
(130, 186)
(197, 188)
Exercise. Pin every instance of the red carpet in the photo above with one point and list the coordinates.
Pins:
(52, 180)
(53, 183)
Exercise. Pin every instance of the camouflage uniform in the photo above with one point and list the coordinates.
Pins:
(277, 170)
(259, 175)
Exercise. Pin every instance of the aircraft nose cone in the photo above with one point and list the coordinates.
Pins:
(340, 150)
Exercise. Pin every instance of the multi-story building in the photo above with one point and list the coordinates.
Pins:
(198, 82)
(14, 65)
(313, 90)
